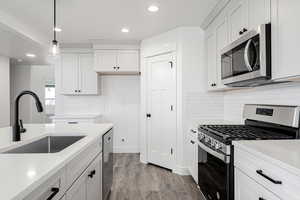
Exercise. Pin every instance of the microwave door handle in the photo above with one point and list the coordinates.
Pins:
(246, 58)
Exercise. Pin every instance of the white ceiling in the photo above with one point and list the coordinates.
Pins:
(83, 21)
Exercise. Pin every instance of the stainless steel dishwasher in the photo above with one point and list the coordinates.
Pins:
(107, 163)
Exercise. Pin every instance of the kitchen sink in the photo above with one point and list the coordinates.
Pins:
(49, 144)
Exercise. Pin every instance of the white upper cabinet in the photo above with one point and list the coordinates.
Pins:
(211, 61)
(88, 79)
(128, 61)
(245, 15)
(221, 42)
(285, 38)
(69, 73)
(117, 61)
(259, 12)
(105, 61)
(238, 20)
(235, 19)
(77, 74)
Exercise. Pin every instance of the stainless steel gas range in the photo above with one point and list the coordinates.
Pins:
(262, 122)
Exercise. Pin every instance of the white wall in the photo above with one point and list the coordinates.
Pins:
(5, 92)
(34, 78)
(194, 103)
(119, 103)
(282, 94)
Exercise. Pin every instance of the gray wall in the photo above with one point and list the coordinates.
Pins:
(5, 92)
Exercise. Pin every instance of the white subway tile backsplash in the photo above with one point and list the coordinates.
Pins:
(283, 94)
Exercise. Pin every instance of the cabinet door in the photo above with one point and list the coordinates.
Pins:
(78, 190)
(285, 38)
(105, 61)
(194, 157)
(88, 78)
(238, 18)
(211, 61)
(69, 74)
(259, 12)
(128, 61)
(189, 153)
(248, 189)
(94, 180)
(221, 42)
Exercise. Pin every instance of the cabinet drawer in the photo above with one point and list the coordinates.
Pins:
(81, 162)
(247, 189)
(274, 178)
(55, 187)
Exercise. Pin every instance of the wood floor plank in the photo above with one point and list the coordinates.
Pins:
(134, 180)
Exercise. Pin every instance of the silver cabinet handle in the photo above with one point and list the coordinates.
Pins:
(72, 122)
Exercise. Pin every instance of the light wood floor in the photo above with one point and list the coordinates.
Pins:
(136, 181)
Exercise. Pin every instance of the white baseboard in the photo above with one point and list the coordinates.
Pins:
(183, 171)
(126, 150)
(143, 159)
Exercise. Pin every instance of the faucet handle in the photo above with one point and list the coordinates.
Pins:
(22, 129)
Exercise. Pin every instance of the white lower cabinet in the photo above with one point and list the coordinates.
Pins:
(80, 179)
(247, 189)
(53, 188)
(259, 178)
(94, 180)
(88, 185)
(193, 155)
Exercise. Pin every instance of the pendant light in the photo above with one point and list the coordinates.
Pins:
(54, 49)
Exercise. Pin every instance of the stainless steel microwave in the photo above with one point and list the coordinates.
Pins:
(247, 61)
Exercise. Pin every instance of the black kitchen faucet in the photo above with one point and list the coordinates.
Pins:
(18, 126)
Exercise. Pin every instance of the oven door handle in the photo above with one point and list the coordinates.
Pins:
(224, 158)
(246, 58)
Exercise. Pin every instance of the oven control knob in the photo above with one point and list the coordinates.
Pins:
(207, 140)
(218, 146)
(201, 136)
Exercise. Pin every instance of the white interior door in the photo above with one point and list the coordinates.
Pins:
(161, 93)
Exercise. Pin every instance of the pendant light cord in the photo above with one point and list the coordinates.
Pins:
(54, 20)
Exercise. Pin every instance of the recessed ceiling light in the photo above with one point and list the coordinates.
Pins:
(56, 29)
(153, 8)
(125, 30)
(30, 55)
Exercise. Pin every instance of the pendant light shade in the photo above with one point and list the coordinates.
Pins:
(54, 47)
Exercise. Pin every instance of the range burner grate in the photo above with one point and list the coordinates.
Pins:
(243, 132)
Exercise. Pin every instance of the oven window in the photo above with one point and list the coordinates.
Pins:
(234, 63)
(212, 175)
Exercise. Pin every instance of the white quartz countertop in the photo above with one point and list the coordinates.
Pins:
(76, 116)
(283, 153)
(20, 174)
